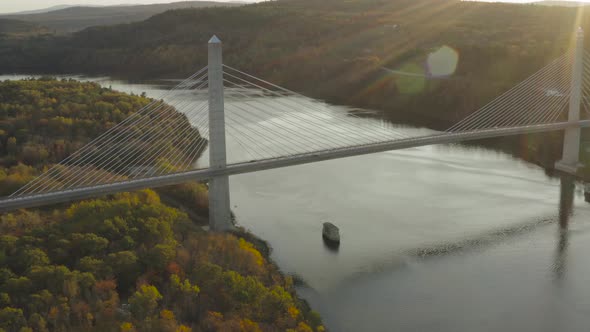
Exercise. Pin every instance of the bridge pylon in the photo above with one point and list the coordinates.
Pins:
(219, 198)
(570, 161)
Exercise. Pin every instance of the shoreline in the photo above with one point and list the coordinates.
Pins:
(260, 244)
(266, 250)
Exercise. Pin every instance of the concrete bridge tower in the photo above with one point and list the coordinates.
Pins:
(219, 202)
(570, 162)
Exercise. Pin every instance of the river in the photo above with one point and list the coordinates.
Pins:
(437, 238)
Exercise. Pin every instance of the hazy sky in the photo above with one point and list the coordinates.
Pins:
(7, 6)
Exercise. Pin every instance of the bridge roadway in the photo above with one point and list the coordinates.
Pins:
(37, 200)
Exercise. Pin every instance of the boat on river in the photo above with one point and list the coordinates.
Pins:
(331, 234)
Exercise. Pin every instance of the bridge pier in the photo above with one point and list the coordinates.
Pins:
(219, 200)
(570, 161)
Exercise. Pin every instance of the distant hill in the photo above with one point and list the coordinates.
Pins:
(13, 27)
(76, 18)
(43, 10)
(562, 3)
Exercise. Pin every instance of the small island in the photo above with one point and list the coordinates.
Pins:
(331, 234)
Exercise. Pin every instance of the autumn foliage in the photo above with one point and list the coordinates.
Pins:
(122, 264)
(126, 262)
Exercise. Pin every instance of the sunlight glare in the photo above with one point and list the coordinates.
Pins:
(442, 62)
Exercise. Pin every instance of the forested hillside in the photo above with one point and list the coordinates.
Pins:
(44, 121)
(126, 262)
(130, 263)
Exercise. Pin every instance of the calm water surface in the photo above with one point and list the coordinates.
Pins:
(438, 238)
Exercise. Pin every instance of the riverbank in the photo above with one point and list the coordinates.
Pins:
(196, 215)
(265, 249)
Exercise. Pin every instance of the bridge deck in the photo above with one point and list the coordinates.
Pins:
(203, 174)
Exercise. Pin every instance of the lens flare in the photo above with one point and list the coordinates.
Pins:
(442, 62)
(412, 79)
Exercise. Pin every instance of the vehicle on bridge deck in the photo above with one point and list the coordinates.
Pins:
(331, 234)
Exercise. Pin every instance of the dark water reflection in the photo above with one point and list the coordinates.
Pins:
(566, 204)
(505, 280)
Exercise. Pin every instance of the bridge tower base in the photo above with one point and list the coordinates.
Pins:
(219, 200)
(570, 162)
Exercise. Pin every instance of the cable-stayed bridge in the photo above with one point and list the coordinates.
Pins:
(162, 143)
